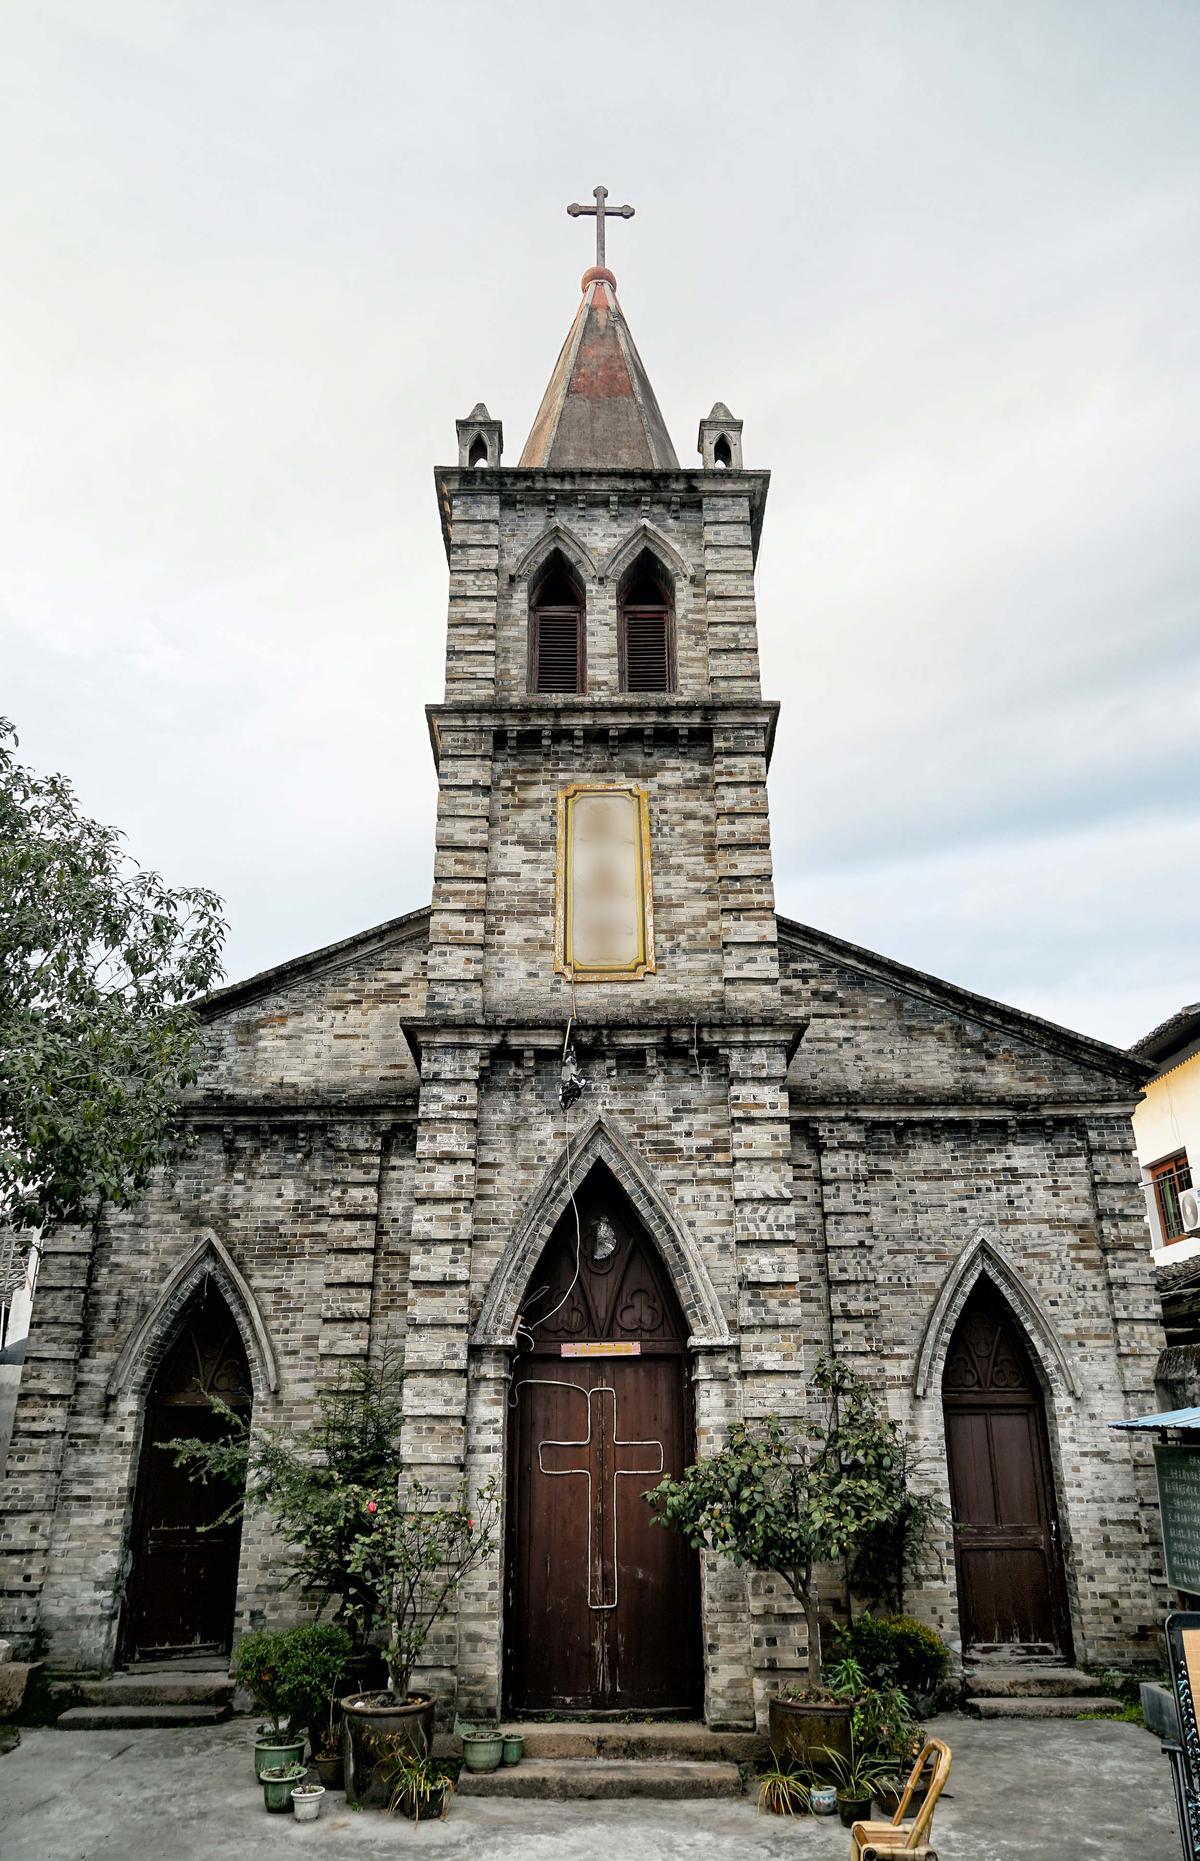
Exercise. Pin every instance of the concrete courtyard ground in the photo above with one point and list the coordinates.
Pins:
(1018, 1792)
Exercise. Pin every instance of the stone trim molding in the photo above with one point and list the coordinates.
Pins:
(556, 536)
(646, 536)
(982, 1256)
(145, 1346)
(497, 1324)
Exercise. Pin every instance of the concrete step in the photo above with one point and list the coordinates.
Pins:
(138, 1689)
(582, 1779)
(1029, 1681)
(690, 1741)
(137, 1718)
(1043, 1708)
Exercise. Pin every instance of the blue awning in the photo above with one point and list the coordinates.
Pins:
(1170, 1418)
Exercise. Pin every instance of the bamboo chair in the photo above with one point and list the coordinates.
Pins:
(881, 1841)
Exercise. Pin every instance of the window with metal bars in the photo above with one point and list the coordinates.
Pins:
(647, 643)
(556, 636)
(1169, 1177)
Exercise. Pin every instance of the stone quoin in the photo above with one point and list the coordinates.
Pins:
(786, 1145)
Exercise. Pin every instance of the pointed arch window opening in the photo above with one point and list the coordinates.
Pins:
(723, 453)
(646, 640)
(557, 640)
(478, 455)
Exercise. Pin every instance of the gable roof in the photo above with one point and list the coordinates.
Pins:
(329, 957)
(1115, 1062)
(1165, 1043)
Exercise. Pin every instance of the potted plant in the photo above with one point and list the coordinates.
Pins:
(411, 1554)
(327, 1754)
(260, 1666)
(884, 1725)
(306, 1801)
(855, 1777)
(483, 1747)
(312, 1481)
(278, 1781)
(782, 1791)
(287, 1673)
(412, 1781)
(790, 1497)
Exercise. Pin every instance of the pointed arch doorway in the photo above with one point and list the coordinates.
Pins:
(182, 1588)
(1007, 1545)
(602, 1605)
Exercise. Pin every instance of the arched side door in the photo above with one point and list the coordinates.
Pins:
(182, 1589)
(602, 1604)
(1007, 1545)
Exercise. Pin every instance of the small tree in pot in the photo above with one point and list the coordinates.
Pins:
(412, 1551)
(314, 1482)
(790, 1497)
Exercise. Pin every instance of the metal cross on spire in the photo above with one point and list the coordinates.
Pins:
(601, 213)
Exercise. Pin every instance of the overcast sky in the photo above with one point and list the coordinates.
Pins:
(939, 255)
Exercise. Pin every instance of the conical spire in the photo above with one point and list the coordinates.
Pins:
(599, 409)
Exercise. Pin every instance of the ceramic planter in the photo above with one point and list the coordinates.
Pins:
(823, 1799)
(482, 1751)
(514, 1747)
(806, 1730)
(853, 1809)
(331, 1771)
(277, 1790)
(271, 1749)
(369, 1717)
(306, 1801)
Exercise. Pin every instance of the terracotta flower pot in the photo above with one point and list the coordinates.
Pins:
(805, 1729)
(368, 1717)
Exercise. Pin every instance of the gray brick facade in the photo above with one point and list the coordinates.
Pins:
(827, 1149)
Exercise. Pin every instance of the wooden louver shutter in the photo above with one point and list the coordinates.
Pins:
(647, 651)
(556, 650)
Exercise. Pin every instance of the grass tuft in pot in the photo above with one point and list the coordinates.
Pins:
(414, 1781)
(782, 1791)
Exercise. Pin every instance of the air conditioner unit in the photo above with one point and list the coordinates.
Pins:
(1189, 1209)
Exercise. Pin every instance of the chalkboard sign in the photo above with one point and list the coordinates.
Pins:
(1178, 1470)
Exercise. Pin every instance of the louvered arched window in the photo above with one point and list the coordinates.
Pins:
(556, 634)
(647, 637)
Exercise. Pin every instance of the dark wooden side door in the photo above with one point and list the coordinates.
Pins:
(182, 1587)
(602, 1611)
(1011, 1587)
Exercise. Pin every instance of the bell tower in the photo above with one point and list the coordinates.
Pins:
(603, 869)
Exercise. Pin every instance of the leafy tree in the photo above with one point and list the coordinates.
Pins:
(101, 963)
(789, 1497)
(316, 1481)
(411, 1556)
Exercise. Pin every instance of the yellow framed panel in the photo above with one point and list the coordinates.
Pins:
(604, 903)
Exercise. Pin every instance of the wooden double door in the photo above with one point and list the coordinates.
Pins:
(182, 1587)
(601, 1604)
(1007, 1547)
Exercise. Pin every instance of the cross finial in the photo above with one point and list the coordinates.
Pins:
(601, 213)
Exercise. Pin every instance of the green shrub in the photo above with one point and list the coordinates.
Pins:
(291, 1672)
(897, 1651)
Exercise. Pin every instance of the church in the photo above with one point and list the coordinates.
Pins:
(609, 1153)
